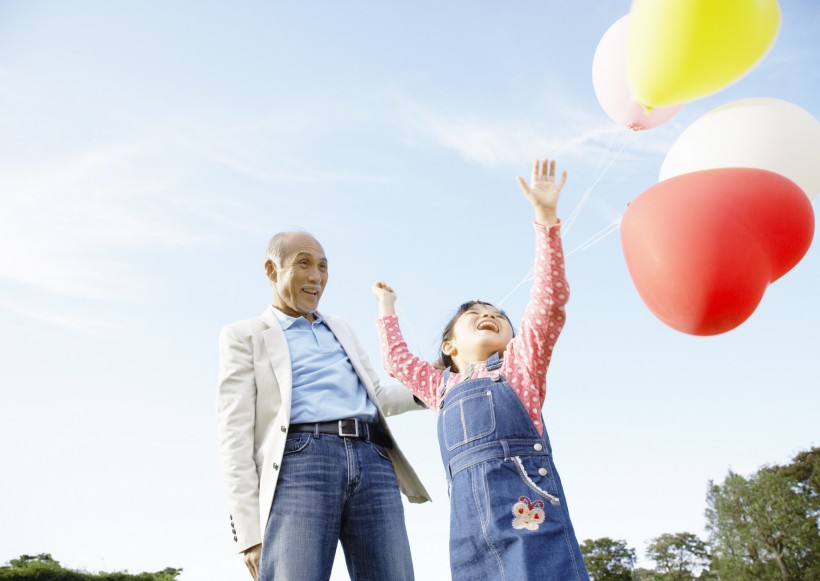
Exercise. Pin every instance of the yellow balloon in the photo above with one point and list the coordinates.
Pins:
(680, 50)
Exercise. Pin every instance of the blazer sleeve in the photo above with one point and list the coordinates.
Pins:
(236, 413)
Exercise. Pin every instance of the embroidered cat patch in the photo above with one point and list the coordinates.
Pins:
(527, 514)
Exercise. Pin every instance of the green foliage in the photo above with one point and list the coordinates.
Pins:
(43, 567)
(804, 471)
(679, 556)
(765, 527)
(608, 560)
(641, 574)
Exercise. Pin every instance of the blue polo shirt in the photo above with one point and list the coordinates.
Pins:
(325, 385)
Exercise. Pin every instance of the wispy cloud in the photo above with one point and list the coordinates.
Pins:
(505, 140)
(78, 225)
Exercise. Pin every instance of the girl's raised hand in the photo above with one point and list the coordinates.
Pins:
(543, 191)
(386, 297)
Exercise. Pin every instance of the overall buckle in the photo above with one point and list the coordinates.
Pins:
(347, 423)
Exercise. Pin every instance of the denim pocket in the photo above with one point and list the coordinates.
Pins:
(528, 468)
(470, 418)
(296, 443)
(381, 451)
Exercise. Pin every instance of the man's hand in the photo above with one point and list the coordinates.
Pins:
(386, 297)
(252, 560)
(543, 191)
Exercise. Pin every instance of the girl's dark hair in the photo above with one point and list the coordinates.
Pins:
(445, 360)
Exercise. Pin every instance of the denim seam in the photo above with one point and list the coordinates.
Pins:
(485, 519)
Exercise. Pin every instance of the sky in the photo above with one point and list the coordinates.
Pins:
(148, 151)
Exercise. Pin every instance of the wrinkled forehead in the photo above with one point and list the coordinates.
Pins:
(301, 243)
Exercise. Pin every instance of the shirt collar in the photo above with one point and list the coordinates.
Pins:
(287, 321)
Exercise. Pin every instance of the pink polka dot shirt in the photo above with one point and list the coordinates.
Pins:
(528, 354)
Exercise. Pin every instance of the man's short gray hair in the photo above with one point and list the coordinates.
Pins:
(278, 244)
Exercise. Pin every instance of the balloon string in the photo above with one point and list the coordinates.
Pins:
(588, 243)
(574, 214)
(527, 277)
(595, 238)
(408, 326)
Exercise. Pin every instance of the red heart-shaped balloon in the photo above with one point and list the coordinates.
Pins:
(702, 247)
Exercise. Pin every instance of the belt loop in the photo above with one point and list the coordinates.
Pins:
(316, 430)
(506, 447)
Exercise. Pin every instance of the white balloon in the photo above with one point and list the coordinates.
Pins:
(762, 133)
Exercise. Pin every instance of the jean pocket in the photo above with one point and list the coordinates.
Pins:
(295, 443)
(381, 451)
(470, 418)
(536, 476)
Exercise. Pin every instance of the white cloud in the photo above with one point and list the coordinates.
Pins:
(79, 225)
(62, 223)
(494, 140)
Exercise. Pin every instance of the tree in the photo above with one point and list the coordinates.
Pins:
(679, 557)
(763, 527)
(608, 560)
(804, 470)
(43, 567)
(641, 574)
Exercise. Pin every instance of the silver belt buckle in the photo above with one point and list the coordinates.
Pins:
(344, 434)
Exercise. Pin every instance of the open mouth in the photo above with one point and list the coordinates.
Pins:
(487, 325)
(311, 292)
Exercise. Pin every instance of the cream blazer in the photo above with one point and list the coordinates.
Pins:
(253, 413)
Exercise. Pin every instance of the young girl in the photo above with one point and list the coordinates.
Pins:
(508, 515)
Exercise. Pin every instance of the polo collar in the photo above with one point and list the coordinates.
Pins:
(286, 321)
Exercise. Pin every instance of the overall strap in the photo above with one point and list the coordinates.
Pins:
(493, 366)
(494, 362)
(442, 389)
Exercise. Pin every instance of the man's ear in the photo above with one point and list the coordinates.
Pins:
(270, 270)
(449, 349)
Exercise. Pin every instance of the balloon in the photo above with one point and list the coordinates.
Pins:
(609, 78)
(702, 247)
(759, 132)
(680, 50)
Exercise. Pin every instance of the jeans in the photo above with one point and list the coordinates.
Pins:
(334, 489)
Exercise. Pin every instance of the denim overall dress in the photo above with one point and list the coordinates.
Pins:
(508, 515)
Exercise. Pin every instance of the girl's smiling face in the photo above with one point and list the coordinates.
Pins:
(478, 333)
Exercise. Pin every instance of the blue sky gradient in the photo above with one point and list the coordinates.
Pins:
(148, 151)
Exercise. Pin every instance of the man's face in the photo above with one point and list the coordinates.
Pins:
(298, 283)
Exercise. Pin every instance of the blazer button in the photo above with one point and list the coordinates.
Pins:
(538, 447)
(275, 466)
(284, 428)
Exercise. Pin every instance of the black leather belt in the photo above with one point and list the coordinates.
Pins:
(347, 428)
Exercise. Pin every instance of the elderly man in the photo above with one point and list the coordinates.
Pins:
(306, 455)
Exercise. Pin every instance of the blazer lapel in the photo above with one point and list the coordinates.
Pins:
(279, 355)
(348, 343)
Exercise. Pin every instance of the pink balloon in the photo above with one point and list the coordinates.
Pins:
(611, 82)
